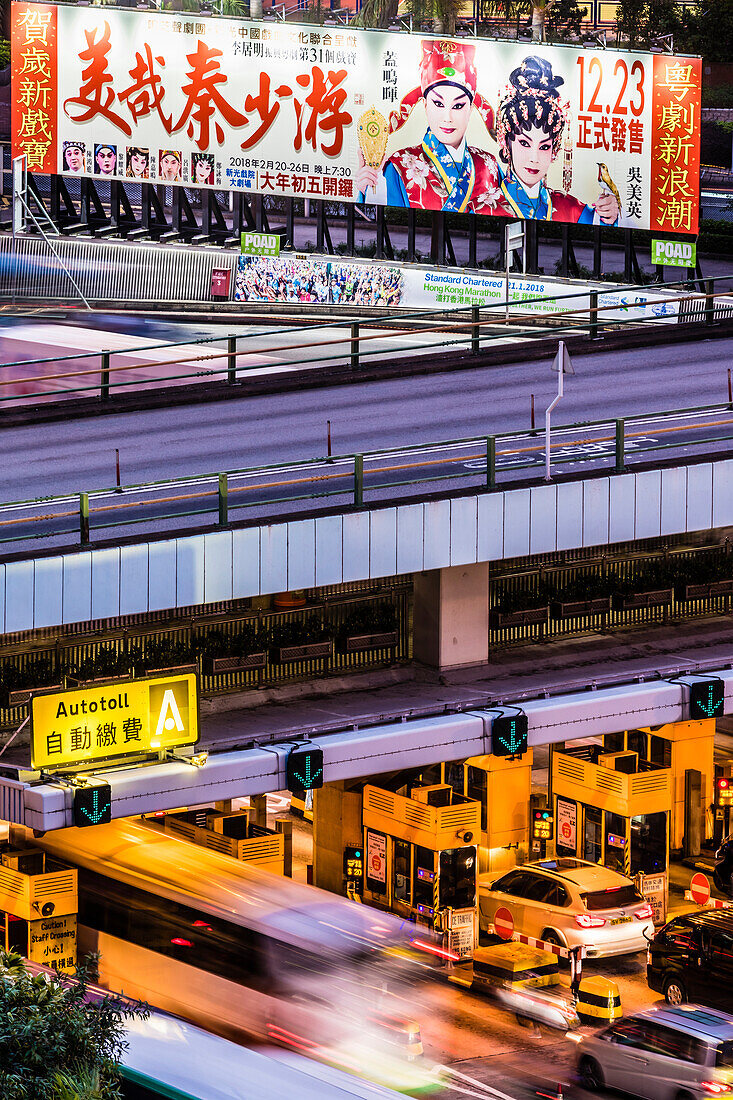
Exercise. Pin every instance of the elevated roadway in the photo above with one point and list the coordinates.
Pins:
(76, 453)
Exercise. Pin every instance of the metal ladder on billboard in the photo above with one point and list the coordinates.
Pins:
(22, 213)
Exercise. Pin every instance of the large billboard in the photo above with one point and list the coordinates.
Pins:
(491, 127)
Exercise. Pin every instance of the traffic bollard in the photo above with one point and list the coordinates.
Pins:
(593, 315)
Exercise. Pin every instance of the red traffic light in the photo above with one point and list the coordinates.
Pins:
(723, 783)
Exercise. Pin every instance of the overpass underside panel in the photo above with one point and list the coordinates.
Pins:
(381, 542)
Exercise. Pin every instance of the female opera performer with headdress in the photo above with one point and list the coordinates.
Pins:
(529, 129)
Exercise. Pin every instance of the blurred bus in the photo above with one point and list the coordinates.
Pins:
(171, 1059)
(241, 952)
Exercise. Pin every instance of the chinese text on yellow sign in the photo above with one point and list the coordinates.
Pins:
(124, 719)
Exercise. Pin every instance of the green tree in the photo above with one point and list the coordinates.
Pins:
(564, 20)
(55, 1041)
(442, 14)
(707, 29)
(644, 21)
(377, 14)
(513, 10)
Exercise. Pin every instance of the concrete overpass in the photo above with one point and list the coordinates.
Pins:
(448, 543)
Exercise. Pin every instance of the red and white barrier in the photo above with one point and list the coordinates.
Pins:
(575, 955)
(711, 903)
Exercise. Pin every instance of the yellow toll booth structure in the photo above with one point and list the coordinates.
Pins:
(420, 859)
(612, 808)
(502, 786)
(231, 834)
(39, 901)
(687, 749)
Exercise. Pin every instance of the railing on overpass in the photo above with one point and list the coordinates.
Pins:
(354, 343)
(374, 477)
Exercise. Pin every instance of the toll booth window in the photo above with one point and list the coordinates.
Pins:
(648, 843)
(424, 876)
(593, 834)
(431, 776)
(637, 742)
(615, 842)
(458, 878)
(613, 742)
(476, 790)
(660, 751)
(401, 871)
(455, 777)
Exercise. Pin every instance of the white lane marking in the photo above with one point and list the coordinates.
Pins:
(485, 1090)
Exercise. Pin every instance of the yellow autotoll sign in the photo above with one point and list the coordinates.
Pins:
(124, 719)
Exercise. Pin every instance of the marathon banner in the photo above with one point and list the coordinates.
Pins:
(297, 278)
(518, 130)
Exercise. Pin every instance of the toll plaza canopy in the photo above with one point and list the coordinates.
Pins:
(45, 802)
(556, 133)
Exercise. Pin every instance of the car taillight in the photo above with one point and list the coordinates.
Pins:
(714, 1087)
(585, 920)
(644, 912)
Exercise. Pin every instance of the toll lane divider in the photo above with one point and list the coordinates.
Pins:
(574, 955)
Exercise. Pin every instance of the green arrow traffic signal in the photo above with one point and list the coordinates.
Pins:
(305, 769)
(707, 698)
(509, 735)
(92, 805)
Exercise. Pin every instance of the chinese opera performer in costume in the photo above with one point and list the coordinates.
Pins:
(529, 129)
(443, 172)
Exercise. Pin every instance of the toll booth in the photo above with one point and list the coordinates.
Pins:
(420, 859)
(687, 750)
(612, 808)
(39, 901)
(232, 834)
(502, 787)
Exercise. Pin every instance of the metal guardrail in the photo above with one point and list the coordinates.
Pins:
(354, 342)
(353, 481)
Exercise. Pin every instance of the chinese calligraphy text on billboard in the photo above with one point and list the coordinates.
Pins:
(118, 720)
(506, 128)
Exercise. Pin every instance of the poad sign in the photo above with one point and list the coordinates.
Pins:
(552, 133)
(118, 720)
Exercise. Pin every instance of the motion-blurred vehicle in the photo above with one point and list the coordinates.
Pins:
(570, 902)
(169, 1059)
(691, 959)
(681, 1053)
(241, 952)
(541, 1006)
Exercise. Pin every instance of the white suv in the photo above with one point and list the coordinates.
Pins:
(569, 902)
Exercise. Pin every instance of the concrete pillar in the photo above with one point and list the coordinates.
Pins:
(451, 616)
(337, 821)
